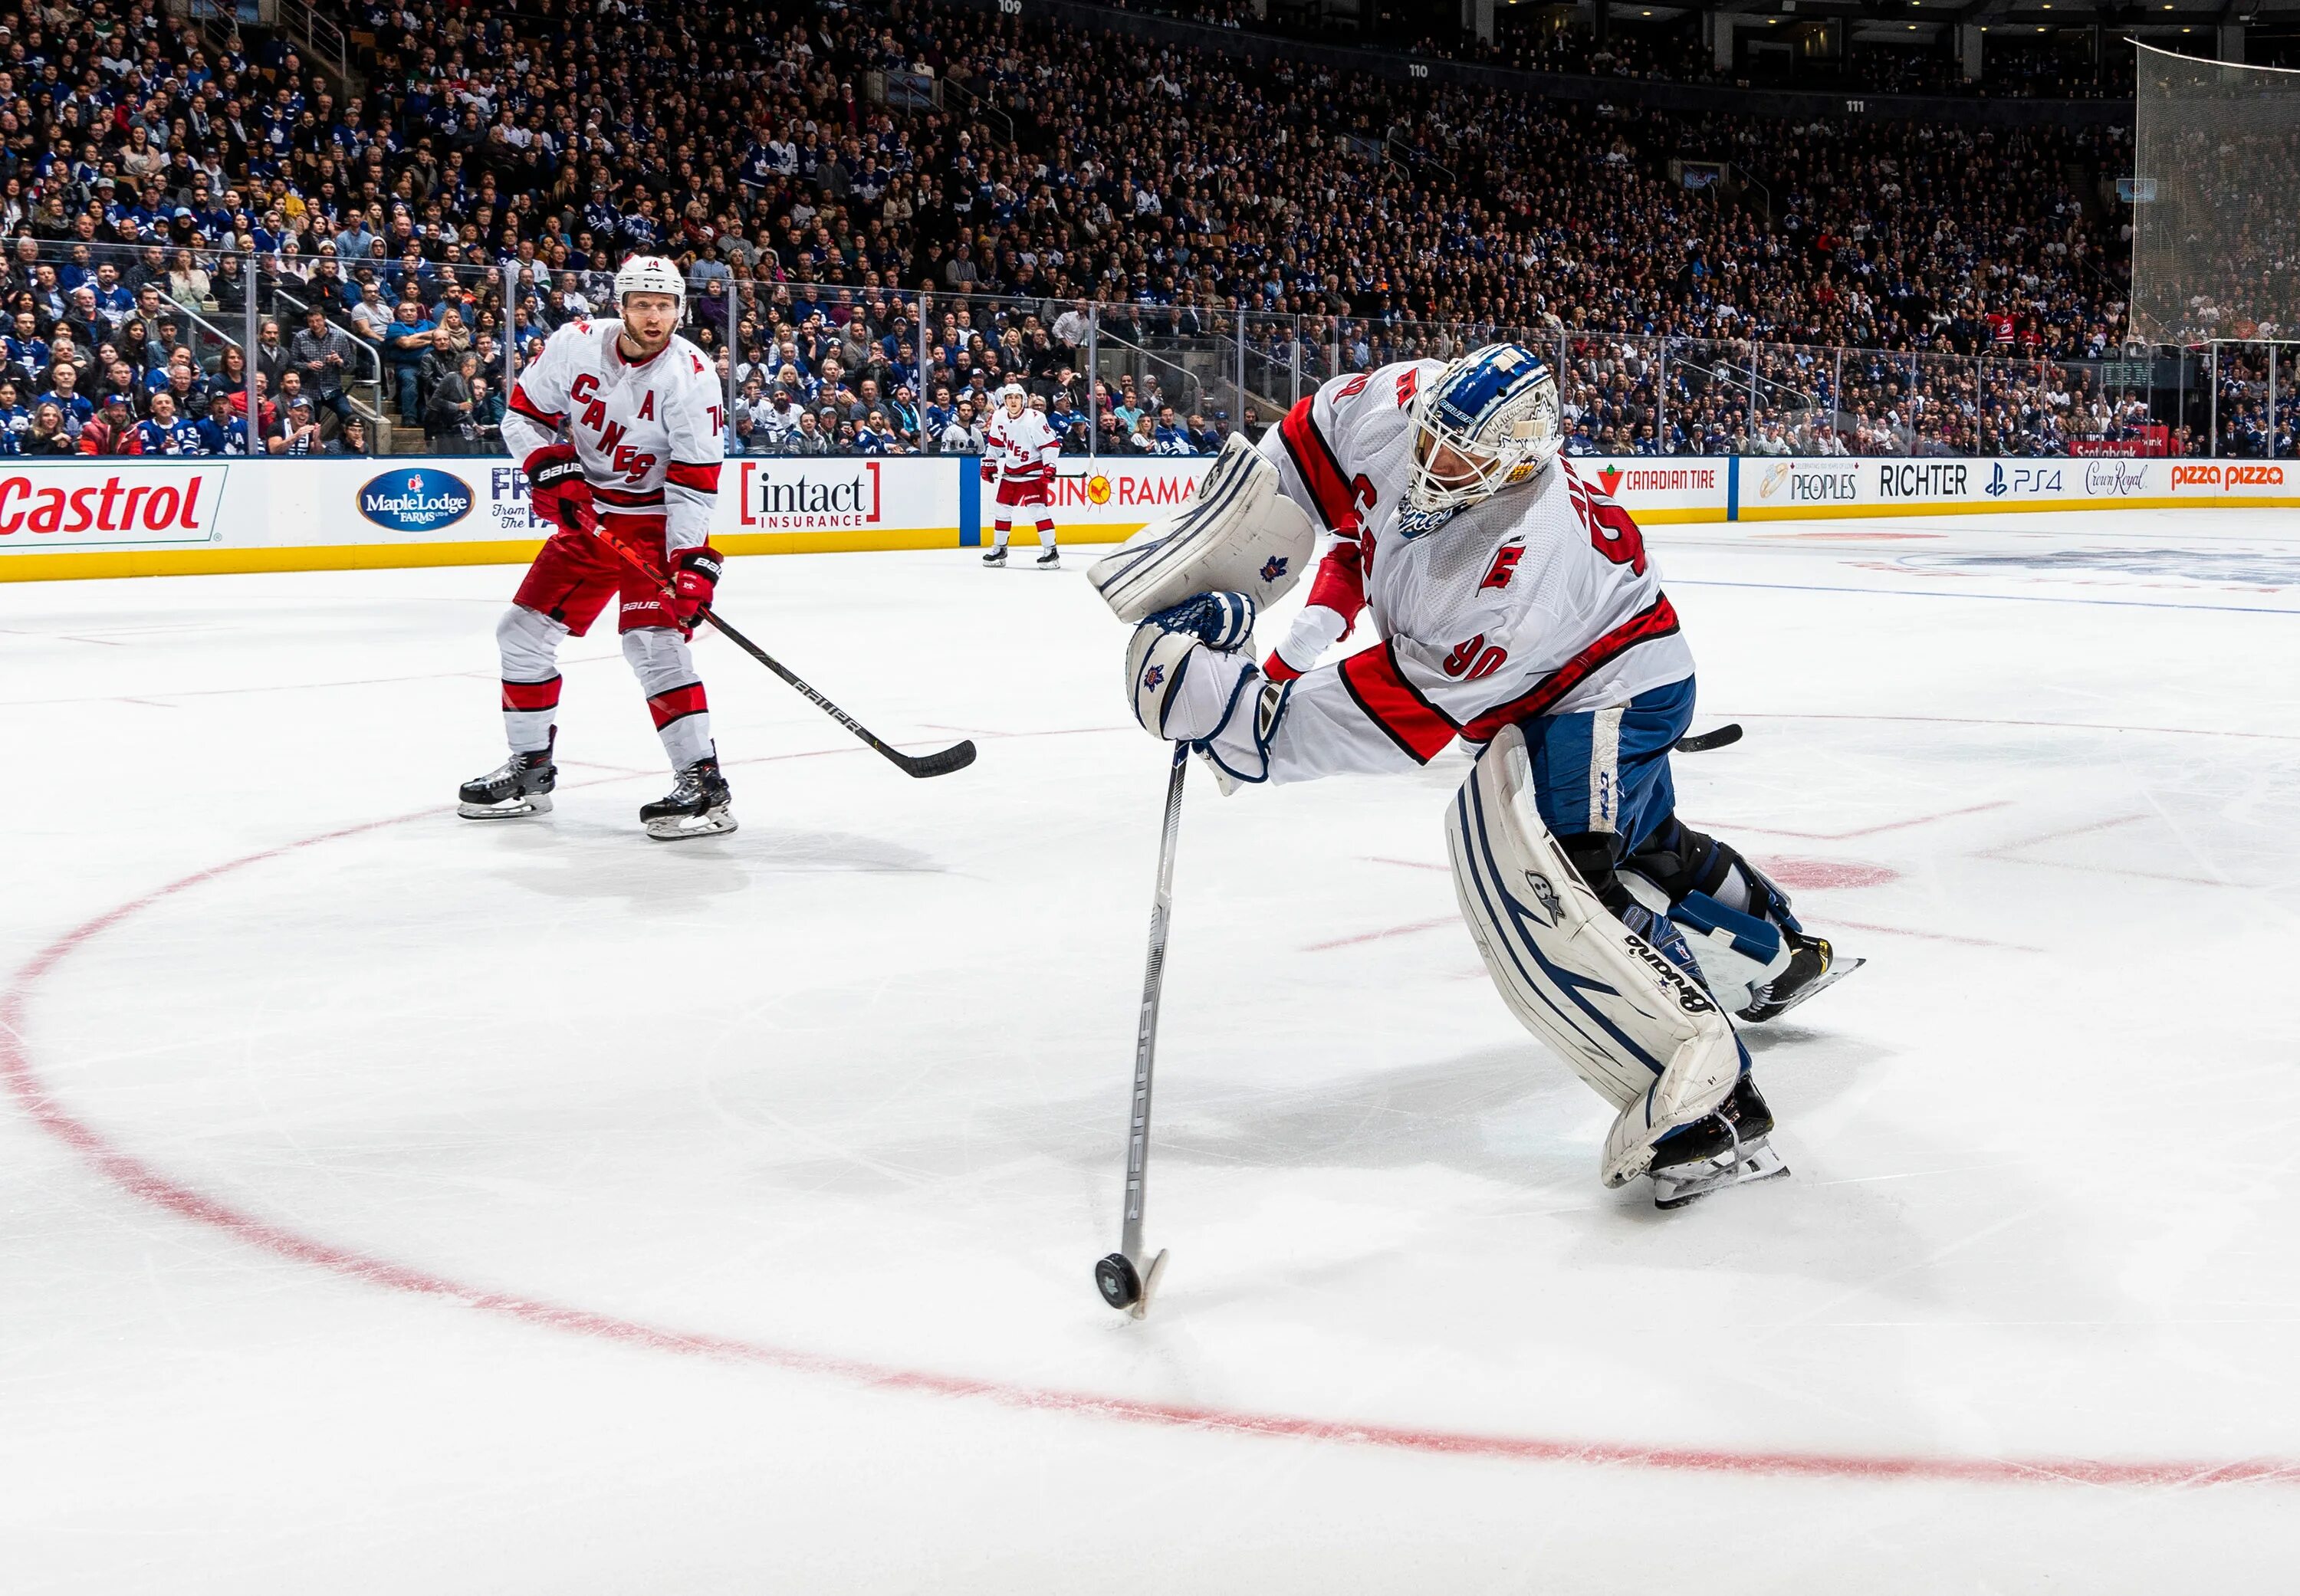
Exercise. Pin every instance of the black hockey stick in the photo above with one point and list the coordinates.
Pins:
(958, 756)
(1122, 1278)
(1724, 736)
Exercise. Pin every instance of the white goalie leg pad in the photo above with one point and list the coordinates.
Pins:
(1625, 1017)
(1237, 534)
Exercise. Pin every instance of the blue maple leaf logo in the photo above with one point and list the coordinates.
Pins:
(1274, 568)
(1153, 675)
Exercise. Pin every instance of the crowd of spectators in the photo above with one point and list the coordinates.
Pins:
(408, 239)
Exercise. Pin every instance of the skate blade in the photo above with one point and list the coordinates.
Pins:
(1681, 1183)
(1150, 1279)
(1835, 972)
(680, 829)
(538, 804)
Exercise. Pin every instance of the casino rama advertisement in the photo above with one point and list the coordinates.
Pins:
(130, 517)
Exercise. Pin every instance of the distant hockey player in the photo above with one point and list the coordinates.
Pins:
(1521, 612)
(1019, 453)
(618, 427)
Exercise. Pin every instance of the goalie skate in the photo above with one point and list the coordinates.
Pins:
(1813, 967)
(1730, 1148)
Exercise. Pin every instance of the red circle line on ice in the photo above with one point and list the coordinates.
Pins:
(129, 1172)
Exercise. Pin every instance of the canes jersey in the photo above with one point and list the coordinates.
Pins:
(649, 435)
(1539, 600)
(1023, 447)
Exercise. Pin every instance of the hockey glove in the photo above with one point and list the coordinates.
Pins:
(1222, 621)
(1185, 667)
(691, 588)
(556, 488)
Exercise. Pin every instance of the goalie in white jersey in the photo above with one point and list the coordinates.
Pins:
(619, 426)
(1019, 452)
(1519, 611)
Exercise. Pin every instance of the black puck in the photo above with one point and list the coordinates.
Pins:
(1115, 1279)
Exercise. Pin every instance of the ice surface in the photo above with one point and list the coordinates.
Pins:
(529, 1207)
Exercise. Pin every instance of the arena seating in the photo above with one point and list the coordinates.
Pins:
(888, 214)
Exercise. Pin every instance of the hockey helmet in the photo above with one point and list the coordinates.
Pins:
(650, 274)
(1494, 414)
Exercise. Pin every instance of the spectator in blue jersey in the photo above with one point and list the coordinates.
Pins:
(15, 420)
(113, 300)
(1171, 436)
(66, 396)
(26, 351)
(166, 432)
(1204, 439)
(222, 432)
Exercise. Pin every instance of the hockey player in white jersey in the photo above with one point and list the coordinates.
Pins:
(619, 427)
(1019, 453)
(1519, 611)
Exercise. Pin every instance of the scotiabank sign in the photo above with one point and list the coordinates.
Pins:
(91, 506)
(808, 494)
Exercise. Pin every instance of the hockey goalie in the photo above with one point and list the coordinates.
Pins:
(1518, 612)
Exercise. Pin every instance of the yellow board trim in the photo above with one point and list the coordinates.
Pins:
(208, 560)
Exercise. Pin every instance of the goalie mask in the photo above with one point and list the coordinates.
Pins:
(1488, 420)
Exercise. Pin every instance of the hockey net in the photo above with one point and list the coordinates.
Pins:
(2216, 233)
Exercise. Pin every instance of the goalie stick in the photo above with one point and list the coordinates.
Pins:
(1122, 1279)
(958, 756)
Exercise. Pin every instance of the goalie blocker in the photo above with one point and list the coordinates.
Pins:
(1628, 1019)
(1239, 534)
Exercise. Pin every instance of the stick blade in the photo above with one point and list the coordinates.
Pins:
(1724, 736)
(1151, 1276)
(957, 757)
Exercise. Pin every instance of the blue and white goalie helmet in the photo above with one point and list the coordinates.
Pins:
(1490, 418)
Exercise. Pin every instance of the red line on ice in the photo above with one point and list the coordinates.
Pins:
(140, 1179)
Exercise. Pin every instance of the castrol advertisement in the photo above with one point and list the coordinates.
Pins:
(108, 505)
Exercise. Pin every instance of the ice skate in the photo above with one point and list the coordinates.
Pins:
(1727, 1149)
(697, 806)
(1050, 560)
(996, 556)
(1813, 967)
(521, 785)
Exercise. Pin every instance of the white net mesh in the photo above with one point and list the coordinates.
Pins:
(2216, 201)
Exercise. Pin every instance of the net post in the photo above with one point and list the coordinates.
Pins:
(247, 366)
(2214, 448)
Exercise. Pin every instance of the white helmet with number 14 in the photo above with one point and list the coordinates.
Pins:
(649, 274)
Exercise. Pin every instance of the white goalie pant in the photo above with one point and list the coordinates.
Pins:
(1237, 534)
(1624, 1017)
